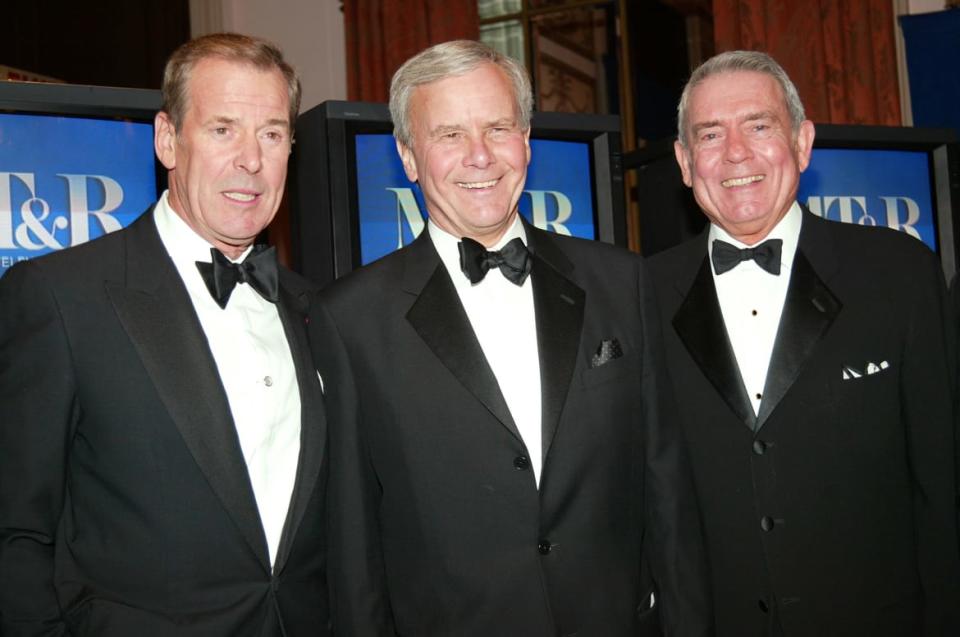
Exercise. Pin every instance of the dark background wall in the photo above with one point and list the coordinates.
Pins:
(103, 42)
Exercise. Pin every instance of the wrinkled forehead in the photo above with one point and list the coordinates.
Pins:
(446, 95)
(736, 91)
(217, 82)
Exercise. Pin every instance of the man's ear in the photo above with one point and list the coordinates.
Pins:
(804, 143)
(526, 141)
(409, 161)
(683, 158)
(165, 140)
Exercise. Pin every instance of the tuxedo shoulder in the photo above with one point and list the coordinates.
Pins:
(590, 264)
(581, 253)
(576, 246)
(374, 278)
(297, 283)
(670, 259)
(881, 247)
(77, 264)
(873, 236)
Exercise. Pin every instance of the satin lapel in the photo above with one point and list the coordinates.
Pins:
(559, 306)
(292, 307)
(808, 311)
(699, 324)
(157, 314)
(439, 318)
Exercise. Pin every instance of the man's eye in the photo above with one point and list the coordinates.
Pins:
(221, 130)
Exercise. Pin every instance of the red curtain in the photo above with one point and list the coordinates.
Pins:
(382, 34)
(840, 53)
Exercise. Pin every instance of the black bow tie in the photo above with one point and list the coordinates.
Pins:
(513, 260)
(258, 270)
(767, 255)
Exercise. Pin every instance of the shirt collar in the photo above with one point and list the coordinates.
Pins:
(183, 245)
(787, 229)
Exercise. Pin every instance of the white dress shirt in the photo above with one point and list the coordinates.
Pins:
(751, 300)
(256, 368)
(503, 319)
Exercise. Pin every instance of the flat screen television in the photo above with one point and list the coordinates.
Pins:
(76, 162)
(351, 202)
(904, 178)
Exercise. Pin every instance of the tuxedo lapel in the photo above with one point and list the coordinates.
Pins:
(157, 314)
(699, 324)
(559, 306)
(808, 311)
(438, 317)
(292, 307)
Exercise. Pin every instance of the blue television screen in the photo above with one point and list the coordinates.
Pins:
(872, 187)
(558, 194)
(66, 180)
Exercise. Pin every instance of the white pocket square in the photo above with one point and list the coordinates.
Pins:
(850, 372)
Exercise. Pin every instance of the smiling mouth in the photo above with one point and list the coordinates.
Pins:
(242, 197)
(741, 181)
(477, 185)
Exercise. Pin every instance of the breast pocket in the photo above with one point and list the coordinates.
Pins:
(867, 394)
(611, 370)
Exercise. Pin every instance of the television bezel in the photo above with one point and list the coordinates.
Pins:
(84, 101)
(323, 179)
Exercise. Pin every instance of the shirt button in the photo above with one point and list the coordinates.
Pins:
(521, 463)
(766, 523)
(268, 381)
(544, 547)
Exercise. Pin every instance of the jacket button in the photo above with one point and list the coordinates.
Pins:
(759, 447)
(762, 603)
(521, 463)
(766, 523)
(544, 547)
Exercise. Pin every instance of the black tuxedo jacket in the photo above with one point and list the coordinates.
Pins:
(437, 526)
(125, 504)
(833, 506)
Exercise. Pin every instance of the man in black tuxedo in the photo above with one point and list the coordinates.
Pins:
(504, 460)
(809, 362)
(163, 432)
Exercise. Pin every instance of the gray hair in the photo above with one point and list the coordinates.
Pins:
(733, 61)
(233, 47)
(450, 59)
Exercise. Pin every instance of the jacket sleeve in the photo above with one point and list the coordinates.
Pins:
(674, 545)
(360, 601)
(927, 411)
(39, 411)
